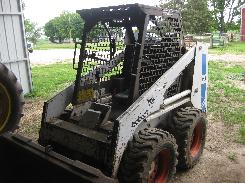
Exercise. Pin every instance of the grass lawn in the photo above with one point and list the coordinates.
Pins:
(49, 79)
(226, 101)
(232, 47)
(46, 45)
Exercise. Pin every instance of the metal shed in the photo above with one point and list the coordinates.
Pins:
(13, 50)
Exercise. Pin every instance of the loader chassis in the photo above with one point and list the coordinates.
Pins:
(138, 60)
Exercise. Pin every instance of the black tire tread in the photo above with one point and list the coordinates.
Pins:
(15, 90)
(183, 122)
(138, 151)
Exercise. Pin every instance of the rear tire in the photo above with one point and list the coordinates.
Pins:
(150, 157)
(11, 100)
(189, 129)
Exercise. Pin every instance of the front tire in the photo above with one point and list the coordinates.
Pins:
(150, 157)
(11, 100)
(189, 129)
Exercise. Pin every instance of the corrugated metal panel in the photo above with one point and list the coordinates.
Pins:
(13, 51)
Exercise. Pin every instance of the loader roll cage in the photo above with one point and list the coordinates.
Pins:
(120, 42)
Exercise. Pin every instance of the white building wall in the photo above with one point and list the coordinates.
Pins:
(13, 50)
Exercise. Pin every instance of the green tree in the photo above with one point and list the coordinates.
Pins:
(51, 30)
(173, 4)
(74, 25)
(33, 33)
(196, 17)
(66, 26)
(229, 7)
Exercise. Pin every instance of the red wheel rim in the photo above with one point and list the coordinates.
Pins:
(160, 167)
(197, 138)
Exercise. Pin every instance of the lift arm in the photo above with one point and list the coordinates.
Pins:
(151, 101)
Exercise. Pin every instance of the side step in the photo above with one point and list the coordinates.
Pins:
(22, 160)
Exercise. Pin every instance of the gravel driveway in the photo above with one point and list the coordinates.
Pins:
(51, 56)
(62, 55)
(228, 57)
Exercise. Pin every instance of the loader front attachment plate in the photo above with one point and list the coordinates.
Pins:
(25, 161)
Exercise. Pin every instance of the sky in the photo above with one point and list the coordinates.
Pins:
(41, 11)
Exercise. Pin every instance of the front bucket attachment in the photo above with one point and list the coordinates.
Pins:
(22, 160)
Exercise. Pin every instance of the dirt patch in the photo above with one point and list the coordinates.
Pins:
(238, 59)
(239, 84)
(223, 160)
(30, 123)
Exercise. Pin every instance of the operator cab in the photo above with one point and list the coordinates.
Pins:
(123, 54)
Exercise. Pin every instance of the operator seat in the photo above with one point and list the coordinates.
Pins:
(121, 84)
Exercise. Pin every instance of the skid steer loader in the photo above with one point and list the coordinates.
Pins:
(135, 112)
